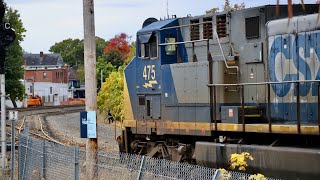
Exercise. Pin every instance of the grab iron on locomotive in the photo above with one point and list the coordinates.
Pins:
(203, 87)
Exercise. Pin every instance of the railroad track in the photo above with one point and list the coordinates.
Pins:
(47, 109)
(35, 115)
(43, 134)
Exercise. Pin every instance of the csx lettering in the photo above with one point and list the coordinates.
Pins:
(288, 61)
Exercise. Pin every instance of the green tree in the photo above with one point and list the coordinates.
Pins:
(110, 97)
(13, 63)
(114, 57)
(227, 7)
(100, 45)
(106, 67)
(212, 11)
(72, 50)
(81, 75)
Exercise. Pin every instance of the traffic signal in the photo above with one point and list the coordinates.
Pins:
(7, 36)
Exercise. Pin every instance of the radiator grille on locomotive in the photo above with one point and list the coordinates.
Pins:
(207, 28)
(195, 30)
(222, 26)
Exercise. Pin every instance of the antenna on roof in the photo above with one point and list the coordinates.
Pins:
(168, 9)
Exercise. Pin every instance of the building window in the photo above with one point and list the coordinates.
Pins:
(171, 48)
(50, 90)
(148, 46)
(194, 30)
(252, 27)
(44, 75)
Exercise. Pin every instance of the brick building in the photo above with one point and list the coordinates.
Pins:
(45, 68)
(46, 75)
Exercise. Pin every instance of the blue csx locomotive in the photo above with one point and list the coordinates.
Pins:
(203, 87)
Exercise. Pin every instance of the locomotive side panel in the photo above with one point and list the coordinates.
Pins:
(294, 56)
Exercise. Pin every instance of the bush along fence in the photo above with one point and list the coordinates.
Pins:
(40, 159)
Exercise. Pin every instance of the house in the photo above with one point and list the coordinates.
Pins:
(76, 89)
(46, 75)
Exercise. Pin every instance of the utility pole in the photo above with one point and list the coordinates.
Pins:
(3, 95)
(168, 9)
(7, 36)
(90, 83)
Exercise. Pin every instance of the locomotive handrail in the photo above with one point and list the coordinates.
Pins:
(269, 100)
(184, 42)
(186, 25)
(264, 83)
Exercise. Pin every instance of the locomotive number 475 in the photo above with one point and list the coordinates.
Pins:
(149, 74)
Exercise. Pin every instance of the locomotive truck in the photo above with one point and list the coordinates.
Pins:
(203, 87)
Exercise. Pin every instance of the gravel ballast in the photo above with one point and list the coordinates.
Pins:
(66, 129)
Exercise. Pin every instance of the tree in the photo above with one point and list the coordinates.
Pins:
(132, 53)
(212, 11)
(100, 45)
(106, 67)
(72, 50)
(110, 97)
(81, 75)
(114, 57)
(227, 7)
(13, 63)
(117, 50)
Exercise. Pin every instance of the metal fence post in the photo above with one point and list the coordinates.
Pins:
(12, 147)
(76, 162)
(216, 175)
(141, 166)
(44, 159)
(19, 157)
(26, 157)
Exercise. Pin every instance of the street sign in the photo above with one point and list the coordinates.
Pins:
(88, 124)
(13, 115)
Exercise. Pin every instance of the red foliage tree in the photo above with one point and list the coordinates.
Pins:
(120, 44)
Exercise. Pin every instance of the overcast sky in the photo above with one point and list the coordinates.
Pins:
(51, 21)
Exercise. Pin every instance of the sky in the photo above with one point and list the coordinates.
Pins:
(51, 21)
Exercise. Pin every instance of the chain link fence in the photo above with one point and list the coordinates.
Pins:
(40, 159)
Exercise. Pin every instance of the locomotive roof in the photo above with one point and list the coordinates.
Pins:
(156, 26)
(270, 11)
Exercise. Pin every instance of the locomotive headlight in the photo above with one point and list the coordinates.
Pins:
(251, 74)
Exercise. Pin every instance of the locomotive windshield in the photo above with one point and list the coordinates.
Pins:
(148, 45)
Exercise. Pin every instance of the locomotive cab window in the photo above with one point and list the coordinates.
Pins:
(171, 48)
(253, 27)
(148, 46)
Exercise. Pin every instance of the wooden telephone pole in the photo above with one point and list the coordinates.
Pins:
(90, 83)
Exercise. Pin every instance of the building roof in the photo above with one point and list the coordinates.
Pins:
(45, 60)
(73, 74)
